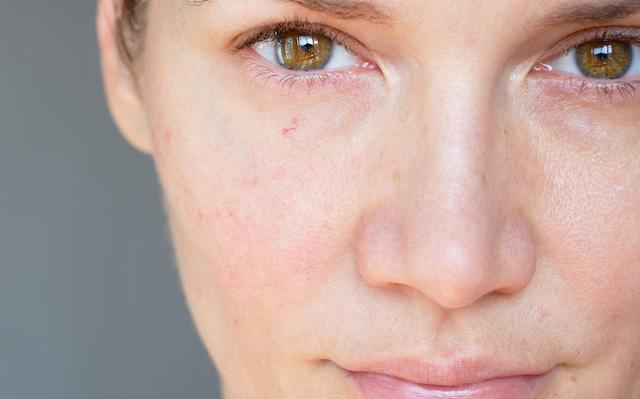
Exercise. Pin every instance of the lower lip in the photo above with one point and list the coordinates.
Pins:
(380, 386)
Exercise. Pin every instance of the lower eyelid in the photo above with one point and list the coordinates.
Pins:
(269, 75)
(591, 90)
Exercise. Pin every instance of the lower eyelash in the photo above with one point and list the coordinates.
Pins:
(611, 90)
(594, 90)
(288, 80)
(623, 89)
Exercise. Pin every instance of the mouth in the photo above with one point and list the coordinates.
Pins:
(382, 386)
(411, 379)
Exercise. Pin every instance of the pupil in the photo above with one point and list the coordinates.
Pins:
(602, 53)
(306, 44)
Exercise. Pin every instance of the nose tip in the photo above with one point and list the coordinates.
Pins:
(454, 275)
(452, 267)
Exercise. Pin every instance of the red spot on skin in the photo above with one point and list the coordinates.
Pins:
(287, 131)
(545, 313)
(167, 136)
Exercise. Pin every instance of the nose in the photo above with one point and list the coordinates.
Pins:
(452, 230)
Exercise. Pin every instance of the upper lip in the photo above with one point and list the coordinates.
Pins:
(448, 373)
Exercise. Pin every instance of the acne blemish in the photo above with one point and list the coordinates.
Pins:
(289, 130)
(286, 132)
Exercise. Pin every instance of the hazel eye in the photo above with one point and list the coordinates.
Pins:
(300, 51)
(601, 59)
(303, 52)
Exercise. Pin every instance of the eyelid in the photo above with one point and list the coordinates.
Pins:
(623, 33)
(270, 30)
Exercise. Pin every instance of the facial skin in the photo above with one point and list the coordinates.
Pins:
(450, 203)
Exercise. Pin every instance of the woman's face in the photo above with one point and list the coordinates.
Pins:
(452, 197)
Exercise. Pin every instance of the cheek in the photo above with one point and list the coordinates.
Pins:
(268, 230)
(590, 218)
(260, 193)
(592, 227)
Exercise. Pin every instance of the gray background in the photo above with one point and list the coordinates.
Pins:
(90, 305)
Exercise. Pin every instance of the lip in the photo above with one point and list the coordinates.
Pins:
(460, 379)
(381, 386)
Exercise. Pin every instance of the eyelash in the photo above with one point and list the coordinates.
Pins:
(286, 78)
(594, 88)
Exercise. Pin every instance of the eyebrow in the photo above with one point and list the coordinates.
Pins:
(348, 9)
(590, 13)
(582, 14)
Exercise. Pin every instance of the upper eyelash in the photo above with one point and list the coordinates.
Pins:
(273, 30)
(565, 46)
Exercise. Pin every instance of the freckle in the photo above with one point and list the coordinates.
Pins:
(397, 176)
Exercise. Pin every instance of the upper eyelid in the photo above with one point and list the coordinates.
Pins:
(564, 46)
(268, 31)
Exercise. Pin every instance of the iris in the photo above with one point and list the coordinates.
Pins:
(602, 59)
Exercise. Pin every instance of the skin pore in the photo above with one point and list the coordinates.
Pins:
(449, 192)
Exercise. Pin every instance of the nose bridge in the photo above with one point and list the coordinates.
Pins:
(456, 122)
(451, 225)
(450, 193)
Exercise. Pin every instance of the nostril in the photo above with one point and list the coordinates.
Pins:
(379, 249)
